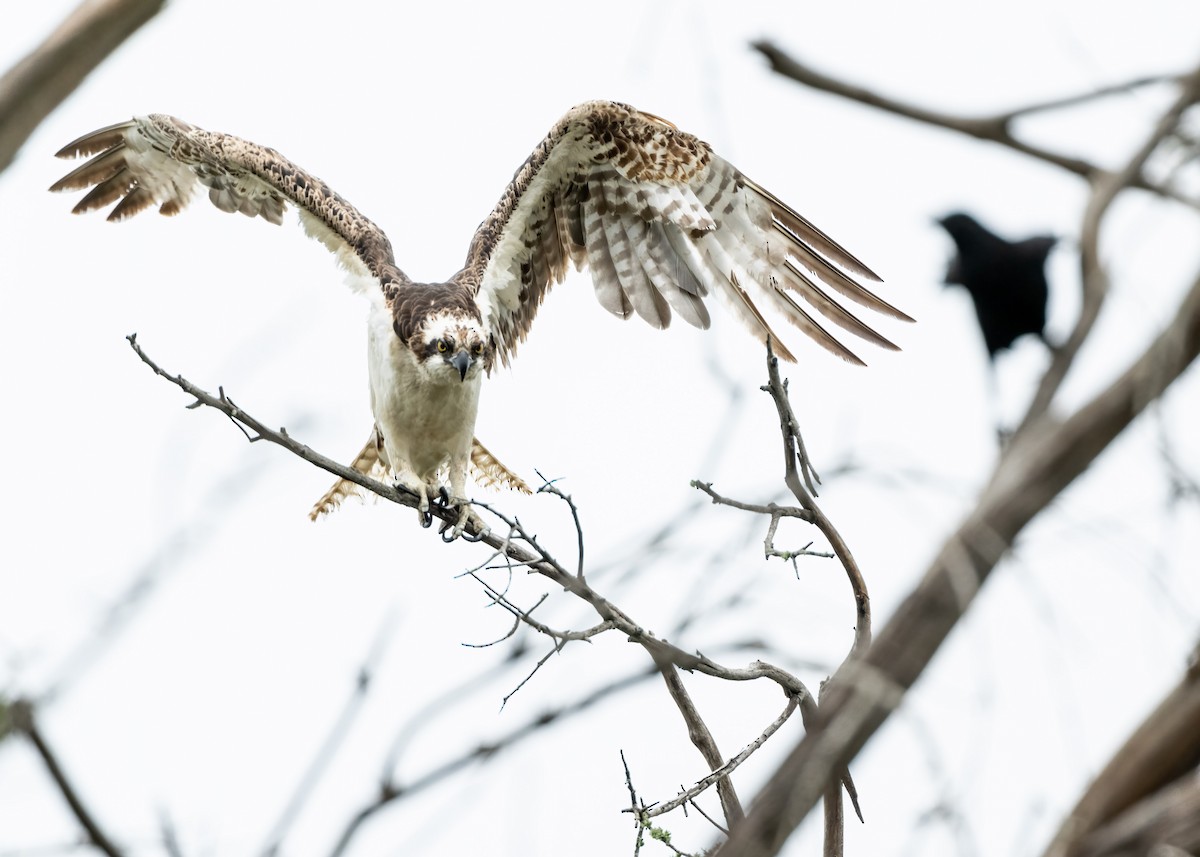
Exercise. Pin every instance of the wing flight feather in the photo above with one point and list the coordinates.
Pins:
(160, 160)
(662, 223)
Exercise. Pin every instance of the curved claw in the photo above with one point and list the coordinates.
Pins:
(478, 537)
(447, 529)
(443, 496)
(427, 519)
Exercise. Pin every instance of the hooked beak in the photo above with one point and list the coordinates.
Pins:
(462, 362)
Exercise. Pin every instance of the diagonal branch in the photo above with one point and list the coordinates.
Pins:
(995, 129)
(537, 560)
(1160, 751)
(23, 720)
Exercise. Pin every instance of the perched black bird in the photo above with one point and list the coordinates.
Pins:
(1006, 280)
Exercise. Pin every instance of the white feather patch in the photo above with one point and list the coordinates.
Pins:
(358, 276)
(161, 175)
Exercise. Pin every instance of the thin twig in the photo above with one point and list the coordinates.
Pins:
(328, 750)
(554, 650)
(390, 791)
(526, 617)
(692, 803)
(638, 820)
(772, 509)
(170, 835)
(512, 630)
(548, 487)
(1090, 95)
(726, 769)
(776, 513)
(217, 508)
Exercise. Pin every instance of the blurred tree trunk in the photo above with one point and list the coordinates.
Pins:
(39, 82)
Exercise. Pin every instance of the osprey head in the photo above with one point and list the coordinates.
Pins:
(452, 346)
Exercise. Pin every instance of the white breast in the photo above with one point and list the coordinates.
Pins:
(427, 418)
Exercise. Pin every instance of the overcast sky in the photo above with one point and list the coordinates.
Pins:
(211, 702)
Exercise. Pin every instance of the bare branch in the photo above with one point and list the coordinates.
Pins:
(328, 749)
(772, 509)
(1094, 275)
(170, 835)
(548, 487)
(639, 820)
(707, 817)
(1161, 750)
(995, 129)
(1038, 467)
(198, 531)
(247, 423)
(1091, 95)
(776, 513)
(790, 427)
(796, 464)
(23, 720)
(726, 769)
(554, 650)
(539, 561)
(32, 88)
(390, 791)
(525, 616)
(704, 741)
(1165, 824)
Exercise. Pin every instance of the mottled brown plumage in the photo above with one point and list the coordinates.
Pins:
(661, 221)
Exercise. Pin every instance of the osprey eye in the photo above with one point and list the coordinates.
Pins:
(442, 346)
(477, 348)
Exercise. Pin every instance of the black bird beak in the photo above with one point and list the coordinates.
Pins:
(462, 362)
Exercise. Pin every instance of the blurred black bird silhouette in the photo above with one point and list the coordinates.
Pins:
(1006, 280)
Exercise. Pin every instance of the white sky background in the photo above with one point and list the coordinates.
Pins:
(211, 702)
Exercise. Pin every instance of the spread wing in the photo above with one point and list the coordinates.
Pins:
(662, 223)
(160, 160)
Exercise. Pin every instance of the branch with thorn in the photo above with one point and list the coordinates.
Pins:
(777, 513)
(800, 478)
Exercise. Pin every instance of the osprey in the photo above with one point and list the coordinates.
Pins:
(658, 218)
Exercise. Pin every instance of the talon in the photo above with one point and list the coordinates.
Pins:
(444, 495)
(426, 518)
(479, 535)
(448, 533)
